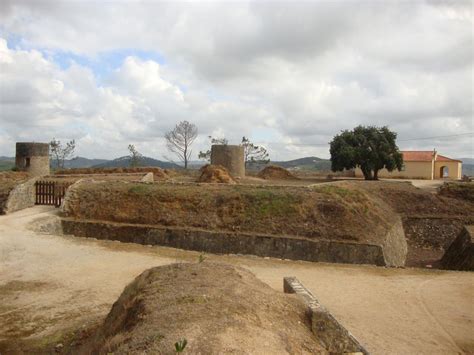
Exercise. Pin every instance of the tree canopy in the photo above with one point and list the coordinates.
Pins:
(135, 156)
(179, 140)
(206, 155)
(369, 148)
(59, 153)
(254, 153)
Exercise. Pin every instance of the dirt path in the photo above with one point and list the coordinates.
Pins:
(51, 283)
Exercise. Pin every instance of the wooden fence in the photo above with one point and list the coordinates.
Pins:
(50, 192)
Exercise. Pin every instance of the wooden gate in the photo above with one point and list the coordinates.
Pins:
(50, 192)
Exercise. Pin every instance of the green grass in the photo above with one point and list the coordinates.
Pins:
(271, 203)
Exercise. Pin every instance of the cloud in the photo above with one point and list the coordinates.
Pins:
(300, 72)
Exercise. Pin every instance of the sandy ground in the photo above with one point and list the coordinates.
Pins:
(429, 185)
(51, 283)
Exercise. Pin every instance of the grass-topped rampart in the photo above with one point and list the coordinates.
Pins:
(338, 211)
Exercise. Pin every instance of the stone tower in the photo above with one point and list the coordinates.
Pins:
(32, 158)
(230, 157)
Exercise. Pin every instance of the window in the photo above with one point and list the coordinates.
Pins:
(27, 162)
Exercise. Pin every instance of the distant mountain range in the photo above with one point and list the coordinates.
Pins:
(307, 163)
(123, 162)
(80, 162)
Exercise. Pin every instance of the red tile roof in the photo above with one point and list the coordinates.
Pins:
(426, 155)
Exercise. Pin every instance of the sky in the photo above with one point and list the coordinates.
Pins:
(288, 75)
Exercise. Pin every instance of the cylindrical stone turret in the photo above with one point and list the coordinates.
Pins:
(32, 158)
(230, 157)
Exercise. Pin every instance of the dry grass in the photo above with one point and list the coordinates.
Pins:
(408, 200)
(159, 174)
(340, 212)
(459, 190)
(8, 181)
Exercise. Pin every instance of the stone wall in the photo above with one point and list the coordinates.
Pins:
(22, 196)
(32, 158)
(327, 329)
(460, 254)
(220, 242)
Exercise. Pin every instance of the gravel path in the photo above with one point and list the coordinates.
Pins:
(51, 283)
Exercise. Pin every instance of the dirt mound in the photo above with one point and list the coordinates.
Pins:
(217, 308)
(158, 173)
(215, 174)
(274, 172)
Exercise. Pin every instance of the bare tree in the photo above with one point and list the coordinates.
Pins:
(180, 139)
(135, 156)
(60, 153)
(207, 154)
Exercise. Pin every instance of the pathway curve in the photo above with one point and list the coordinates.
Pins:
(50, 283)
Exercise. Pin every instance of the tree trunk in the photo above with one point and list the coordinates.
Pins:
(376, 174)
(185, 156)
(367, 174)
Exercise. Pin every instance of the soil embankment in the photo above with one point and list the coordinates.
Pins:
(158, 173)
(431, 221)
(274, 172)
(217, 308)
(332, 212)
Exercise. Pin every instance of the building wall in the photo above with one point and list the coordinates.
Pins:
(412, 170)
(420, 170)
(454, 169)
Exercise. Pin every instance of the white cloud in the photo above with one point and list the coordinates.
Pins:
(298, 71)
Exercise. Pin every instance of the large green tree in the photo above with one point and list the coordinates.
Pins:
(369, 148)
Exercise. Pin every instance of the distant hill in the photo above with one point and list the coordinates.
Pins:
(79, 162)
(467, 160)
(307, 163)
(468, 169)
(6, 163)
(467, 166)
(124, 162)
